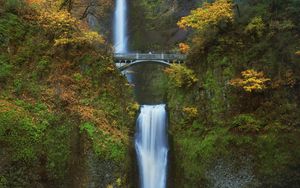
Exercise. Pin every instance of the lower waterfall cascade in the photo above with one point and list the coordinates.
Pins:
(151, 145)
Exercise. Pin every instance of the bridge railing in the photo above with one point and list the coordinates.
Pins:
(144, 56)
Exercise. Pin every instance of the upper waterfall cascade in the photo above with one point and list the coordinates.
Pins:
(120, 27)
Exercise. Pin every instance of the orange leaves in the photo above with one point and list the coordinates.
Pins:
(184, 48)
(7, 106)
(251, 81)
(208, 14)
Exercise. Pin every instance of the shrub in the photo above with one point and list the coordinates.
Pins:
(251, 81)
(184, 48)
(181, 76)
(190, 112)
(104, 145)
(18, 132)
(210, 14)
(246, 123)
(256, 27)
(12, 29)
(13, 5)
(5, 70)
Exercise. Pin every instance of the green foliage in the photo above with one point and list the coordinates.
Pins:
(278, 155)
(246, 123)
(56, 148)
(200, 151)
(19, 132)
(3, 181)
(256, 27)
(89, 128)
(5, 70)
(12, 29)
(103, 144)
(13, 5)
(214, 96)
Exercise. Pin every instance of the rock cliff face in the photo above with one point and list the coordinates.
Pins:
(97, 13)
(153, 23)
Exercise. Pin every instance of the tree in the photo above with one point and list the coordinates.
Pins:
(251, 81)
(210, 14)
(181, 76)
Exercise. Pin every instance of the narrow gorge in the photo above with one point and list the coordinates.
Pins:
(149, 94)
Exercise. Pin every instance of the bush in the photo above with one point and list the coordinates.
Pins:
(190, 112)
(246, 123)
(5, 70)
(18, 132)
(12, 29)
(251, 81)
(256, 27)
(181, 76)
(13, 5)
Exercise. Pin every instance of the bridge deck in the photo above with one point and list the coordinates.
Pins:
(144, 56)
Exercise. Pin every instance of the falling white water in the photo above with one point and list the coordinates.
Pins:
(120, 26)
(151, 145)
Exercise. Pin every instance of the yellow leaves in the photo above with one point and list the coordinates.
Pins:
(190, 112)
(251, 81)
(67, 30)
(132, 109)
(297, 53)
(89, 37)
(34, 2)
(57, 21)
(208, 14)
(184, 48)
(181, 76)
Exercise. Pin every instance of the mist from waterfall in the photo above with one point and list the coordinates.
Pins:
(151, 145)
(120, 26)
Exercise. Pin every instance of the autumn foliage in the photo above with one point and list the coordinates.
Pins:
(209, 14)
(65, 29)
(184, 48)
(181, 76)
(251, 81)
(190, 112)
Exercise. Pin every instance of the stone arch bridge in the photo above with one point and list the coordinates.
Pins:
(126, 60)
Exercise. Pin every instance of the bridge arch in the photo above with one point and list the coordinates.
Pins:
(124, 66)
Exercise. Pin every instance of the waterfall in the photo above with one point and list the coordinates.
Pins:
(151, 140)
(120, 27)
(151, 145)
